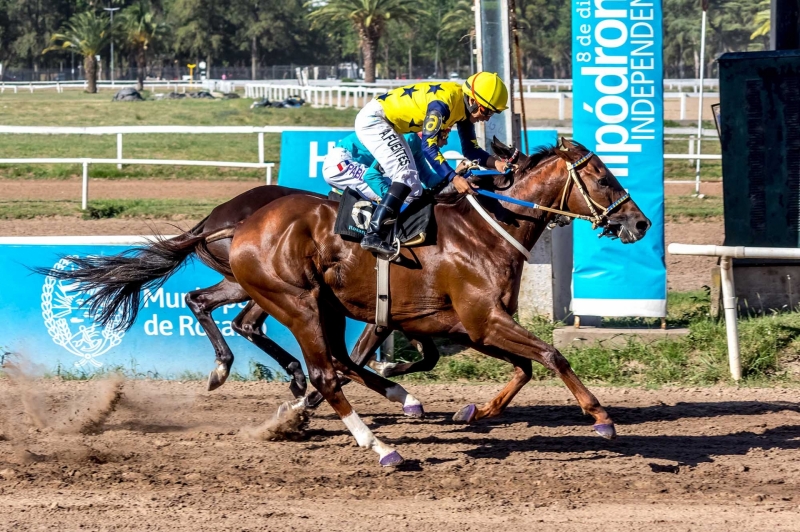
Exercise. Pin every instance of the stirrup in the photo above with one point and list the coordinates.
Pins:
(389, 254)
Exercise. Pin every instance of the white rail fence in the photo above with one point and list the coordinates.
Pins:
(357, 96)
(120, 131)
(169, 86)
(85, 162)
(726, 253)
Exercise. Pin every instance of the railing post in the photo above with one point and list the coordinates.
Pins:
(269, 174)
(683, 105)
(85, 186)
(729, 303)
(261, 147)
(691, 149)
(119, 150)
(561, 106)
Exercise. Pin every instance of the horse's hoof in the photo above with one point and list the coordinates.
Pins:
(466, 414)
(606, 430)
(392, 459)
(298, 390)
(382, 368)
(217, 378)
(415, 411)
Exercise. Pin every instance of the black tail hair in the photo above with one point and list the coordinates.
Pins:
(117, 281)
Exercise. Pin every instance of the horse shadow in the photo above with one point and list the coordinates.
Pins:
(690, 450)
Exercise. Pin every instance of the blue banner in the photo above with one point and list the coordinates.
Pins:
(302, 153)
(618, 113)
(41, 319)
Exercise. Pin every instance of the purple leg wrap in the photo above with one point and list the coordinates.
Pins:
(466, 414)
(606, 430)
(392, 459)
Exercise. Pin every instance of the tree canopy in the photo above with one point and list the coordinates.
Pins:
(396, 38)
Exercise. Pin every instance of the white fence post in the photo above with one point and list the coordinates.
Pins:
(261, 147)
(269, 174)
(561, 106)
(119, 150)
(85, 186)
(691, 149)
(683, 105)
(729, 303)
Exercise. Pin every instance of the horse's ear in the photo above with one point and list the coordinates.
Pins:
(564, 144)
(501, 149)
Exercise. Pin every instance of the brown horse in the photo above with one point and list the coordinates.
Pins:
(117, 282)
(464, 286)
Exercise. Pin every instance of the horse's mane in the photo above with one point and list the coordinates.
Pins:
(450, 195)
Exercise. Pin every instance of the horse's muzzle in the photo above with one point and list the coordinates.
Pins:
(629, 228)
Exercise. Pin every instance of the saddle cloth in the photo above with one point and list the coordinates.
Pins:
(416, 224)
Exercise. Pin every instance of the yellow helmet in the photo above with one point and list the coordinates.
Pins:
(488, 90)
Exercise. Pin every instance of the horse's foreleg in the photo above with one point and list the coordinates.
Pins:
(499, 331)
(320, 351)
(249, 324)
(202, 303)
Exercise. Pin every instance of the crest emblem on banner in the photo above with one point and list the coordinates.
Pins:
(71, 325)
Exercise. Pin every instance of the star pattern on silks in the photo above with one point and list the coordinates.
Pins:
(383, 96)
(434, 88)
(439, 158)
(412, 124)
(433, 140)
(475, 143)
(409, 91)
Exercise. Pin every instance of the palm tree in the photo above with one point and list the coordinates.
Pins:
(369, 18)
(459, 23)
(140, 28)
(87, 33)
(762, 21)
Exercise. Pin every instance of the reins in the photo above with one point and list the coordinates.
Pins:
(598, 219)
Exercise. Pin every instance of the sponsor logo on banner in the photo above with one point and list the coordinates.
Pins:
(362, 214)
(69, 321)
(618, 114)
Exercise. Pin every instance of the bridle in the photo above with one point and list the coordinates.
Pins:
(597, 218)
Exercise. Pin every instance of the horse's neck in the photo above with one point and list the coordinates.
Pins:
(533, 188)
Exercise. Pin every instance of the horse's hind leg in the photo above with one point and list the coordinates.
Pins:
(430, 357)
(202, 303)
(522, 375)
(499, 332)
(249, 324)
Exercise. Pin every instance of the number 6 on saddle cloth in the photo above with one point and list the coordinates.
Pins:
(416, 224)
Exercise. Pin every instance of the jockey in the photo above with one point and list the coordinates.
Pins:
(427, 108)
(349, 164)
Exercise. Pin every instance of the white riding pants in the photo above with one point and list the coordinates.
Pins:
(340, 171)
(387, 146)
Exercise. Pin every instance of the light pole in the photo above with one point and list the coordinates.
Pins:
(111, 10)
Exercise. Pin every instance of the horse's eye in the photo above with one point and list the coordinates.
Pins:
(603, 182)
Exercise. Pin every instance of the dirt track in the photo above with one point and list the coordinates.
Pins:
(172, 457)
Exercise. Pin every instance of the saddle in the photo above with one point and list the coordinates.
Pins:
(416, 224)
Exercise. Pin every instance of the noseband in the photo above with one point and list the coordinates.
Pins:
(598, 219)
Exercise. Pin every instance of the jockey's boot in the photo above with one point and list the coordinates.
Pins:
(383, 218)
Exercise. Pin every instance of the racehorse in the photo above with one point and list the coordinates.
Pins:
(464, 286)
(119, 280)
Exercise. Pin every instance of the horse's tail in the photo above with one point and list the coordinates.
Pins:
(116, 282)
